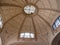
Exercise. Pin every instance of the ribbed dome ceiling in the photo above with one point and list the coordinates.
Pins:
(15, 20)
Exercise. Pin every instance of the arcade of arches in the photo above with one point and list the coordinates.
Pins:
(29, 22)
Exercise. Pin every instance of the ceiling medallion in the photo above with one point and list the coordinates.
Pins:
(29, 9)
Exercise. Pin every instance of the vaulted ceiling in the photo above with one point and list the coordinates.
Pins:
(16, 21)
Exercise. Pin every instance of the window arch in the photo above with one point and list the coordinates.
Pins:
(56, 23)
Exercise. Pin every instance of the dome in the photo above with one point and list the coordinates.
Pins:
(28, 21)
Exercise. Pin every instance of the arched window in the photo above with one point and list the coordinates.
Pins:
(1, 22)
(56, 23)
(26, 35)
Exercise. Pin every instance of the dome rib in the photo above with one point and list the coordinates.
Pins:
(6, 4)
(21, 27)
(34, 28)
(49, 9)
(26, 1)
(10, 19)
(46, 23)
(36, 1)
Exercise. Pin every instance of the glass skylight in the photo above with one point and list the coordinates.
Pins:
(56, 23)
(26, 35)
(29, 9)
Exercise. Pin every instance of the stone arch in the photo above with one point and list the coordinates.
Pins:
(56, 40)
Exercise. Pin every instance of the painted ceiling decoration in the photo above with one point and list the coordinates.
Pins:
(32, 17)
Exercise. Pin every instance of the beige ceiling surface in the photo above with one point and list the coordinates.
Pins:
(16, 21)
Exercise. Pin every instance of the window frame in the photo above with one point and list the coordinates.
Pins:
(29, 36)
(56, 23)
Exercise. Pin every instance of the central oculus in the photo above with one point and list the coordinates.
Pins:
(29, 9)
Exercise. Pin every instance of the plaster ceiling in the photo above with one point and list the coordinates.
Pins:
(16, 21)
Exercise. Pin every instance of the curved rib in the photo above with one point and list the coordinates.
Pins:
(10, 19)
(46, 23)
(49, 9)
(34, 28)
(21, 28)
(36, 1)
(7, 4)
(26, 1)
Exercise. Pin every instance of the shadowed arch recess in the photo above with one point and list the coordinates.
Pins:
(56, 40)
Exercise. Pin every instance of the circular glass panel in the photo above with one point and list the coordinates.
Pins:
(29, 9)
